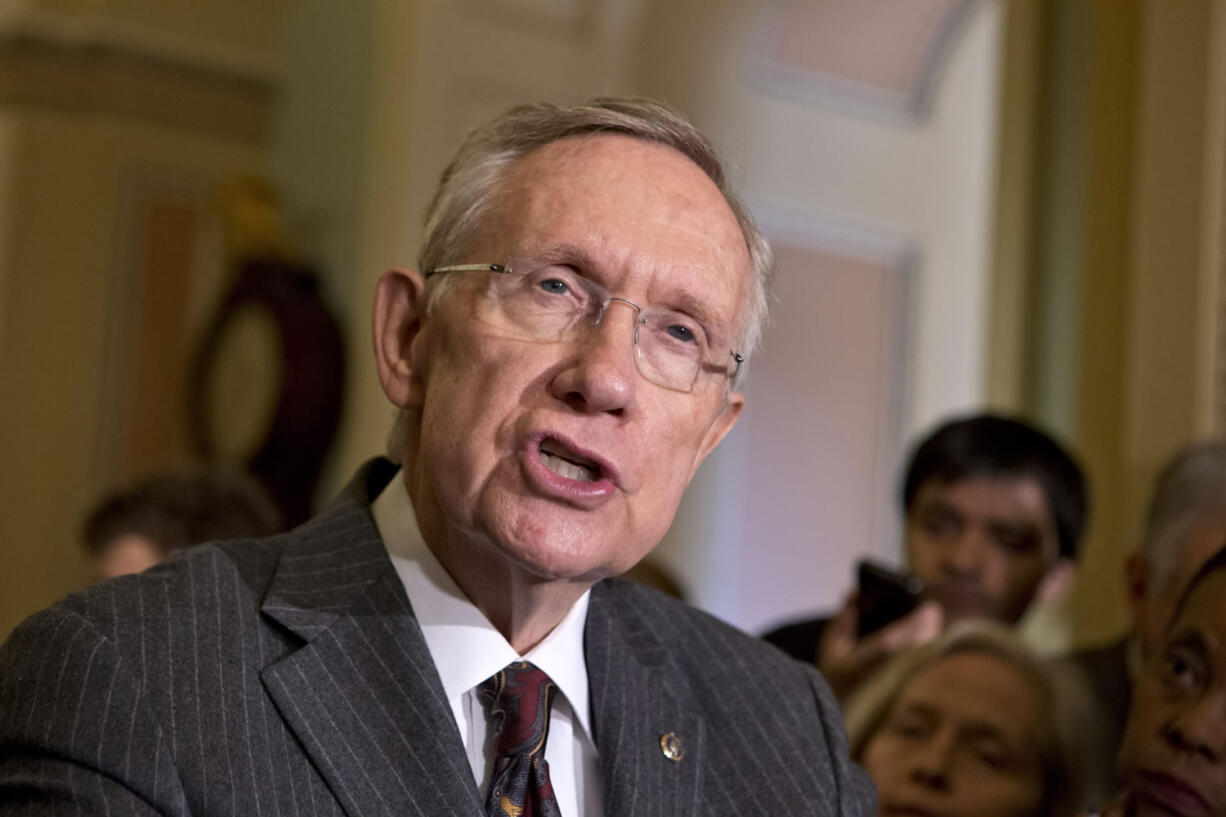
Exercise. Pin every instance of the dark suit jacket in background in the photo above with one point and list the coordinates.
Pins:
(800, 639)
(1104, 669)
(288, 676)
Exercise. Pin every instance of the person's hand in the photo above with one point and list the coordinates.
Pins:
(846, 660)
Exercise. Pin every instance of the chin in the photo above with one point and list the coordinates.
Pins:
(551, 566)
(559, 543)
(557, 554)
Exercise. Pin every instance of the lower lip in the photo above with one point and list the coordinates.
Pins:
(586, 495)
(1169, 794)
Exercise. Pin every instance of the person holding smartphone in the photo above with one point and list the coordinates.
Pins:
(994, 511)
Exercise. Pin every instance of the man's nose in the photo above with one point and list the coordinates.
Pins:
(963, 555)
(602, 374)
(1200, 727)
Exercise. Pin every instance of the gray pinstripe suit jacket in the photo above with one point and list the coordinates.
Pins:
(288, 676)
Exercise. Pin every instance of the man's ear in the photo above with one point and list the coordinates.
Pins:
(719, 428)
(399, 306)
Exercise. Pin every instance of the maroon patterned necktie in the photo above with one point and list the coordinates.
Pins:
(520, 696)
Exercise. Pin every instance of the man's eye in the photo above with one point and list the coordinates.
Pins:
(554, 286)
(675, 330)
(990, 754)
(909, 727)
(682, 333)
(940, 525)
(1180, 671)
(1017, 541)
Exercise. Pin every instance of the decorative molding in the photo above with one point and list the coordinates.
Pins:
(845, 94)
(99, 66)
(141, 189)
(834, 234)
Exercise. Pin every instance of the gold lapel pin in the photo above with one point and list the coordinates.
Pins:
(671, 746)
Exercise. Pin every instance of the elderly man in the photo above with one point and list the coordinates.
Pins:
(1184, 526)
(444, 642)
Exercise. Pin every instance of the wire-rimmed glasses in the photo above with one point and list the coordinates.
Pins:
(555, 303)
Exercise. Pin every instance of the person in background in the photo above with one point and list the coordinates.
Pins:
(1185, 524)
(972, 723)
(137, 527)
(1173, 757)
(994, 513)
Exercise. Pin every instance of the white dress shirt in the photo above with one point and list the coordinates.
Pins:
(467, 649)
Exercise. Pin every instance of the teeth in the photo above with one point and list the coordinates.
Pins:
(568, 469)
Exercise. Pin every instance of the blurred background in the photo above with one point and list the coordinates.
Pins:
(975, 203)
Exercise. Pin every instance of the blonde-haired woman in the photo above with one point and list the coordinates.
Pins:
(972, 723)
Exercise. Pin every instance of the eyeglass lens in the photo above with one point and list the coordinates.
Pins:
(556, 304)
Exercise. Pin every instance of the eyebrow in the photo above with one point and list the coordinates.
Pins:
(974, 730)
(556, 254)
(1188, 638)
(1014, 526)
(920, 708)
(969, 728)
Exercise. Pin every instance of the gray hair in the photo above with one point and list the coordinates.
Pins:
(467, 190)
(1065, 740)
(1192, 484)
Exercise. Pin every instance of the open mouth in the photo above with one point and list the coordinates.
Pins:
(566, 463)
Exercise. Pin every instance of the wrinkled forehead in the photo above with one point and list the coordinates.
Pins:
(1203, 608)
(641, 213)
(1193, 539)
(990, 494)
(980, 691)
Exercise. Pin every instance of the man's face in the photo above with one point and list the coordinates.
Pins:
(1173, 756)
(981, 544)
(1154, 598)
(558, 459)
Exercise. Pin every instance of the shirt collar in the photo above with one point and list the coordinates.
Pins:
(465, 646)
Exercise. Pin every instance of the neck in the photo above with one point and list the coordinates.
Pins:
(524, 608)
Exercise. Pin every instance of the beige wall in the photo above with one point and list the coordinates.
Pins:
(105, 190)
(1117, 343)
(1167, 278)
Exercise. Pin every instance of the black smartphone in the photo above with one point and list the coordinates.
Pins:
(885, 596)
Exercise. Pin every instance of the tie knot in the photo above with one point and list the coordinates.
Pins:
(520, 696)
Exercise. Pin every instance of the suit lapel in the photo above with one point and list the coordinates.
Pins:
(636, 703)
(362, 694)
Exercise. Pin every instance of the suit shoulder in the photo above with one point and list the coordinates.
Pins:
(779, 709)
(694, 636)
(188, 581)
